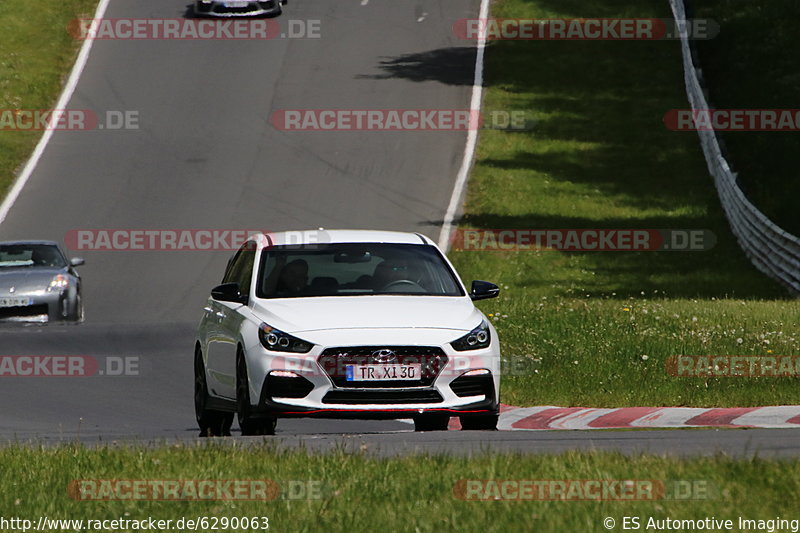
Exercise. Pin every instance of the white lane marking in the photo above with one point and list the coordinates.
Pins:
(63, 101)
(510, 417)
(775, 416)
(422, 17)
(669, 417)
(364, 2)
(472, 137)
(580, 419)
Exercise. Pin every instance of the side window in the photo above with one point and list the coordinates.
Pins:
(248, 257)
(230, 269)
(240, 268)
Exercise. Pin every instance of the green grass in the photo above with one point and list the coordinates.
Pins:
(413, 493)
(752, 64)
(600, 157)
(605, 351)
(36, 53)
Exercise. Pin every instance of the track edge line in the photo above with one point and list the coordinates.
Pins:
(472, 138)
(63, 99)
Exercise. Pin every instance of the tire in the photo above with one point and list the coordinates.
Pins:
(77, 313)
(249, 424)
(479, 422)
(432, 422)
(212, 423)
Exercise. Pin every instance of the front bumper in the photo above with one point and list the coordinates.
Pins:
(317, 393)
(271, 408)
(44, 306)
(230, 9)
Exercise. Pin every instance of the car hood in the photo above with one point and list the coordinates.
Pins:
(26, 279)
(296, 315)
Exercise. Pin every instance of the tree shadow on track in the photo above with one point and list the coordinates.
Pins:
(451, 66)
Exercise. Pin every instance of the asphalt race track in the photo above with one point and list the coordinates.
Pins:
(206, 156)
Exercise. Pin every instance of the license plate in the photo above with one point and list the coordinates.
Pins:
(236, 4)
(16, 301)
(383, 372)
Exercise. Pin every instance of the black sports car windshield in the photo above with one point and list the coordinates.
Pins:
(31, 255)
(355, 269)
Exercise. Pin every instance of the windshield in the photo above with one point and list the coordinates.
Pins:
(31, 255)
(355, 269)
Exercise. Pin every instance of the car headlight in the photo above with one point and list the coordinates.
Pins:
(476, 339)
(58, 283)
(278, 341)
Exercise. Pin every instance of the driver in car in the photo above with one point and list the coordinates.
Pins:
(391, 272)
(45, 256)
(287, 278)
(294, 277)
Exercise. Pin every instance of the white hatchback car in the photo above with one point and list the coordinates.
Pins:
(345, 324)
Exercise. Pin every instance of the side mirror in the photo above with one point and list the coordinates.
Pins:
(481, 290)
(76, 262)
(228, 292)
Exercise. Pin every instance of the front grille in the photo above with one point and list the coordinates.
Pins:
(22, 311)
(284, 387)
(382, 396)
(473, 386)
(224, 10)
(334, 362)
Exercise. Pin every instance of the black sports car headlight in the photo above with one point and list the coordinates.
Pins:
(278, 341)
(476, 339)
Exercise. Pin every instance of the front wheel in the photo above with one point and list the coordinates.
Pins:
(212, 423)
(75, 313)
(480, 422)
(249, 424)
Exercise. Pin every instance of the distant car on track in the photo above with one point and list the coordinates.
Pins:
(38, 284)
(368, 324)
(238, 8)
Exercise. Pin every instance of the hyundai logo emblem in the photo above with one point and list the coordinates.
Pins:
(384, 356)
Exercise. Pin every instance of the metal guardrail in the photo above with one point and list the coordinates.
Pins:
(772, 250)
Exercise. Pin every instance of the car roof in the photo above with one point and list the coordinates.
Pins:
(17, 243)
(346, 236)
